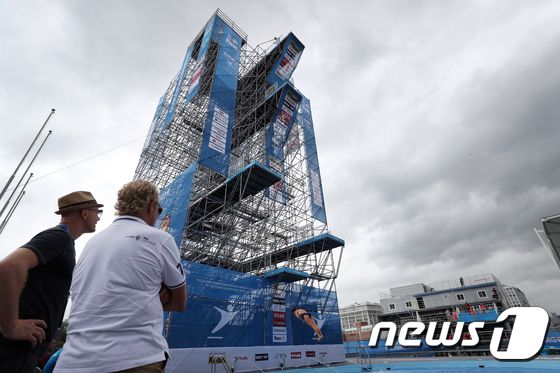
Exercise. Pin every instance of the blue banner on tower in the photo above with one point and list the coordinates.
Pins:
(314, 174)
(178, 86)
(289, 57)
(230, 308)
(218, 129)
(174, 199)
(276, 136)
(198, 71)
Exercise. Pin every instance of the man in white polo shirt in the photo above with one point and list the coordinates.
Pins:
(125, 278)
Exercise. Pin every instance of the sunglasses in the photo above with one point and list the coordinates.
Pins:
(98, 212)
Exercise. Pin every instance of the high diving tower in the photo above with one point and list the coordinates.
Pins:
(232, 149)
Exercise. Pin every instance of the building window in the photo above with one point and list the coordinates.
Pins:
(409, 304)
(482, 294)
(392, 306)
(460, 297)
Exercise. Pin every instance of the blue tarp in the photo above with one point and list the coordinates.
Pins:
(314, 174)
(277, 135)
(229, 308)
(174, 199)
(216, 143)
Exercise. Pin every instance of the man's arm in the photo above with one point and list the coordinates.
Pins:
(13, 274)
(174, 299)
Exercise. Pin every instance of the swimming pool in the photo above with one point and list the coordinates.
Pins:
(443, 366)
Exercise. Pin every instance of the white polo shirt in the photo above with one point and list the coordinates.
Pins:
(116, 319)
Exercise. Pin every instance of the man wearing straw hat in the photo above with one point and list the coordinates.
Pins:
(35, 282)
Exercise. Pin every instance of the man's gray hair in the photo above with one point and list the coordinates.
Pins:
(135, 196)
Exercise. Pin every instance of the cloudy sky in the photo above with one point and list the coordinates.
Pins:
(437, 122)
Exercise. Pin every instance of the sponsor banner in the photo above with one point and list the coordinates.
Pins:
(277, 135)
(278, 300)
(218, 129)
(178, 86)
(309, 353)
(174, 200)
(287, 61)
(195, 79)
(261, 357)
(278, 308)
(279, 338)
(216, 357)
(200, 60)
(305, 121)
(279, 315)
(269, 357)
(295, 355)
(279, 322)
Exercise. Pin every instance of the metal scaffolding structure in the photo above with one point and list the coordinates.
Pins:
(255, 202)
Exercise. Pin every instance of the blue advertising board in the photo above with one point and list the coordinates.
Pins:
(229, 308)
(218, 128)
(178, 86)
(174, 199)
(305, 120)
(287, 62)
(276, 136)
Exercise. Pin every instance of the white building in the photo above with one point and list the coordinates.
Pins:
(363, 314)
(515, 297)
(458, 294)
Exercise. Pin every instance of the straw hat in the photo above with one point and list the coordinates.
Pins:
(76, 201)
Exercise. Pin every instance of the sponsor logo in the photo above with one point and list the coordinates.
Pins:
(243, 358)
(280, 356)
(309, 353)
(225, 317)
(232, 42)
(278, 322)
(279, 338)
(527, 335)
(295, 355)
(323, 353)
(216, 357)
(140, 238)
(279, 315)
(261, 357)
(278, 308)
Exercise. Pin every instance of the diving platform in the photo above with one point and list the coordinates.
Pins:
(248, 181)
(285, 274)
(315, 245)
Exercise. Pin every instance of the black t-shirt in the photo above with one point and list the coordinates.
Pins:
(45, 294)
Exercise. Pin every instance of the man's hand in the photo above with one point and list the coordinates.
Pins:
(32, 331)
(164, 295)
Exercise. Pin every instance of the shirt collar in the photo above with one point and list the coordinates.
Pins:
(130, 217)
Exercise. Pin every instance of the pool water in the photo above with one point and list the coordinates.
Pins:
(443, 366)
